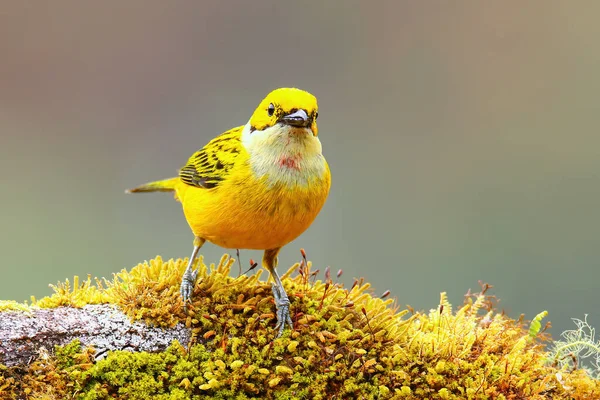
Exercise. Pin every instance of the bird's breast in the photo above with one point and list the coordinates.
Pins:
(260, 211)
(295, 171)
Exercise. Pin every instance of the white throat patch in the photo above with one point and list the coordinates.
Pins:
(284, 154)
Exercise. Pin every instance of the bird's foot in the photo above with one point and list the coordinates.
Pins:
(187, 286)
(282, 303)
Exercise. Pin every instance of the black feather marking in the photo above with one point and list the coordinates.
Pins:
(207, 168)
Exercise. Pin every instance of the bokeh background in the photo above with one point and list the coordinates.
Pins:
(463, 138)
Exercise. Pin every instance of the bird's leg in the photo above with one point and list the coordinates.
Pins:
(282, 302)
(189, 276)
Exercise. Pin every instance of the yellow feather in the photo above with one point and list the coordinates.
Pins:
(167, 185)
(257, 186)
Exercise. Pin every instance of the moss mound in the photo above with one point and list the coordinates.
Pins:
(346, 344)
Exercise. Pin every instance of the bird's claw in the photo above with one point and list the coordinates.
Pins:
(282, 303)
(187, 286)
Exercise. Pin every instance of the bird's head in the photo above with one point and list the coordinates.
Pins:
(287, 107)
(281, 138)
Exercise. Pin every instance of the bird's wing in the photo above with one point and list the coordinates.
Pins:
(211, 165)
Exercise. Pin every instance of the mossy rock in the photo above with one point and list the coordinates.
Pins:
(346, 344)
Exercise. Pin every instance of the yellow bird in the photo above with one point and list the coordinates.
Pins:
(258, 186)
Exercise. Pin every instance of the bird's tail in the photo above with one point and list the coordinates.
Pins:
(166, 185)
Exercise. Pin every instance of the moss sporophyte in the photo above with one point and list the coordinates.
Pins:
(346, 344)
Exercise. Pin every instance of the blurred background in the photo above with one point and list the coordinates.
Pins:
(463, 138)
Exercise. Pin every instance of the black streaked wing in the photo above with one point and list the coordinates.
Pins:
(212, 164)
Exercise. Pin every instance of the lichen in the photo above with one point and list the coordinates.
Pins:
(346, 343)
(577, 348)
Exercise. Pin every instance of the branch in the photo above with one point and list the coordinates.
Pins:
(346, 343)
(104, 326)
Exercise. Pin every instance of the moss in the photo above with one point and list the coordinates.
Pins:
(11, 305)
(50, 376)
(345, 343)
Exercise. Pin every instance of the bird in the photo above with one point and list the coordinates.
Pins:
(257, 186)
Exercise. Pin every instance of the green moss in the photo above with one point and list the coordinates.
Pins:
(345, 343)
(11, 305)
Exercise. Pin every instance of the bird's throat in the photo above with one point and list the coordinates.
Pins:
(284, 156)
(290, 162)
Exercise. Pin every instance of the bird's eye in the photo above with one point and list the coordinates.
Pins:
(271, 109)
(316, 115)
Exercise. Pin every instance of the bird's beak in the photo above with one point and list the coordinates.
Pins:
(298, 118)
